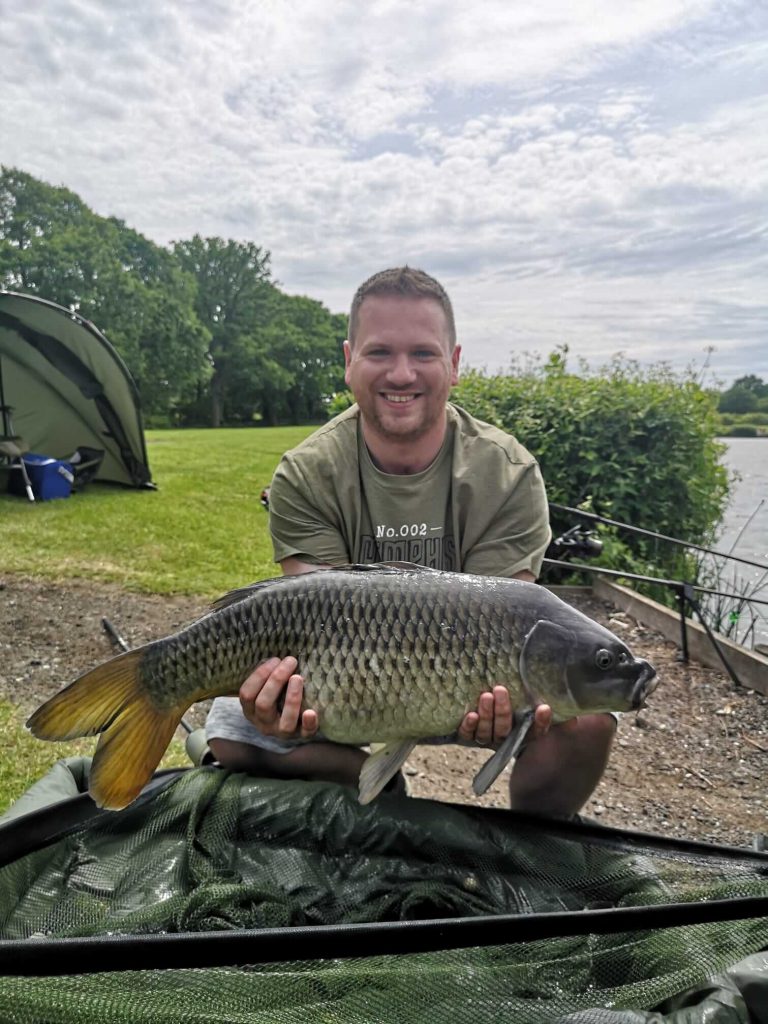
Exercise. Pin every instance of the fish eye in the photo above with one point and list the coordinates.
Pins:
(604, 659)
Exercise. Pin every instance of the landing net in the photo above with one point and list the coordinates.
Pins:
(219, 897)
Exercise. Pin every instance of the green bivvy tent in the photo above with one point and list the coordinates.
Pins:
(64, 387)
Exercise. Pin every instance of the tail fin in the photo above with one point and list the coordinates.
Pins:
(110, 700)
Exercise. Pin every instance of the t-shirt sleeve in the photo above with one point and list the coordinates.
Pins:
(299, 527)
(519, 534)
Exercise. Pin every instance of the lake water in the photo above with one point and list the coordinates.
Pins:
(747, 516)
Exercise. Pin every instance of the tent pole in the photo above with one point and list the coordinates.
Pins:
(3, 406)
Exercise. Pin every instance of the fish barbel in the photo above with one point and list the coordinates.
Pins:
(389, 653)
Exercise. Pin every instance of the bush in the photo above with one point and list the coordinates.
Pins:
(634, 445)
(339, 402)
(742, 430)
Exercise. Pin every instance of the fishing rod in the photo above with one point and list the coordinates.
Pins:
(659, 580)
(594, 518)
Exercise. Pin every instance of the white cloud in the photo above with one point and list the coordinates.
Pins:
(593, 173)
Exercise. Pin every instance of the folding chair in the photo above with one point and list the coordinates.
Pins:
(12, 447)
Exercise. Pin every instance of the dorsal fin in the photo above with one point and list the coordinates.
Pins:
(234, 596)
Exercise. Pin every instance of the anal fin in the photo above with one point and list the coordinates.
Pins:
(380, 766)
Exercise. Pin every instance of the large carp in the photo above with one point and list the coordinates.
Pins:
(389, 653)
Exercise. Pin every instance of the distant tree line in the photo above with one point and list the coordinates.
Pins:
(206, 332)
(743, 408)
(747, 394)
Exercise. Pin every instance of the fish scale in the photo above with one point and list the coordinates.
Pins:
(388, 654)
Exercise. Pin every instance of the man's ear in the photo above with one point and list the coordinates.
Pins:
(347, 361)
(455, 358)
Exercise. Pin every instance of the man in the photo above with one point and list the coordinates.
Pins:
(405, 476)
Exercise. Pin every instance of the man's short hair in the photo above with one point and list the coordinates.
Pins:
(407, 282)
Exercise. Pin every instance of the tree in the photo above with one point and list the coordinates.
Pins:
(234, 298)
(54, 246)
(752, 383)
(204, 330)
(738, 400)
(274, 357)
(306, 340)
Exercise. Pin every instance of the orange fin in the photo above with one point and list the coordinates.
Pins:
(110, 700)
(91, 703)
(128, 753)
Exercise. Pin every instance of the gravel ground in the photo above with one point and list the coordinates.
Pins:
(692, 764)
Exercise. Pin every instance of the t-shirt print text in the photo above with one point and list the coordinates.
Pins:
(400, 545)
(384, 532)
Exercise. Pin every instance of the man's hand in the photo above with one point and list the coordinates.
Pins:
(260, 697)
(492, 722)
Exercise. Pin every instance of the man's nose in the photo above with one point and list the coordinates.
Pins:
(401, 371)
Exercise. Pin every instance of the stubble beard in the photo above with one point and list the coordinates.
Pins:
(406, 433)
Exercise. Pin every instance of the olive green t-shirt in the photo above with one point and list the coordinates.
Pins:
(480, 507)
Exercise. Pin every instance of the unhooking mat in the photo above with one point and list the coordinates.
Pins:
(219, 897)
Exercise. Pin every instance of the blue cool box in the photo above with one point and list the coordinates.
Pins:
(50, 478)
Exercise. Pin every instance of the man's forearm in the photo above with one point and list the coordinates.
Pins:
(557, 773)
(329, 762)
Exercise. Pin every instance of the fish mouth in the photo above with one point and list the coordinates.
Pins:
(646, 683)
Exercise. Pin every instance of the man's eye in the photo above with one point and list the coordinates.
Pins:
(424, 353)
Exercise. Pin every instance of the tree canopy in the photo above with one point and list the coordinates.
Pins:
(208, 336)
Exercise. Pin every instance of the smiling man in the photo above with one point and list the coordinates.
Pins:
(404, 475)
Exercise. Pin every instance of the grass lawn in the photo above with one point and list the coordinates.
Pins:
(202, 532)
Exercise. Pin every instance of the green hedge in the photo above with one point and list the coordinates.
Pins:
(632, 444)
(742, 430)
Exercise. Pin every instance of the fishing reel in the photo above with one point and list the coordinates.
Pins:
(578, 542)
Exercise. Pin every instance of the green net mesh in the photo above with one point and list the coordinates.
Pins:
(216, 852)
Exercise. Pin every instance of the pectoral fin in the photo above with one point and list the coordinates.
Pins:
(507, 752)
(382, 764)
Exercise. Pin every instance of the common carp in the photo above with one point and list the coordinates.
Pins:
(389, 653)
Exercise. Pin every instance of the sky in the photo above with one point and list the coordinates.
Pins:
(591, 173)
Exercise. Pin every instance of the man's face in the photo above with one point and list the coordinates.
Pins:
(400, 367)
